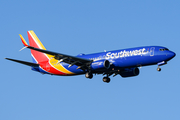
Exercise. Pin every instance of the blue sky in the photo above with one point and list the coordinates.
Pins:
(73, 27)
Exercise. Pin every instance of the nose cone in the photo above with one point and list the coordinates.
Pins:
(171, 54)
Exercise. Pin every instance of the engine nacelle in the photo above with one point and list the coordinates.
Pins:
(100, 64)
(130, 72)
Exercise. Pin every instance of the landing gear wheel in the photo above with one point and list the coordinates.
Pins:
(89, 75)
(159, 69)
(106, 79)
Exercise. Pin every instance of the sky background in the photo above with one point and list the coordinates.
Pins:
(73, 27)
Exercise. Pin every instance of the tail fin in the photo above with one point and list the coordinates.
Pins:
(35, 42)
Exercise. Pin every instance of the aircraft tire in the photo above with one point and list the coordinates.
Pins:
(159, 69)
(106, 79)
(89, 75)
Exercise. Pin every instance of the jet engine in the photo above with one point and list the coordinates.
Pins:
(100, 64)
(130, 72)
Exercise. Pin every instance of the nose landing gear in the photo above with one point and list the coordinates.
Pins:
(160, 64)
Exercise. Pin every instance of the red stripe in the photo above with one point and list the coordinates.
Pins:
(47, 67)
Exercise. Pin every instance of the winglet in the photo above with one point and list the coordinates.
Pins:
(23, 41)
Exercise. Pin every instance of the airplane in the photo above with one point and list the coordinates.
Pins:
(123, 62)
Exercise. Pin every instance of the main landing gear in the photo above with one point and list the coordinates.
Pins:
(106, 79)
(89, 75)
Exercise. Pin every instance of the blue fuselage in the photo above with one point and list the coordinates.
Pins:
(128, 58)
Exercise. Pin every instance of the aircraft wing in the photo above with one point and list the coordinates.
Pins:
(82, 63)
(72, 60)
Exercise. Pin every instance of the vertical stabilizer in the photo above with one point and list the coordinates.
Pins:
(35, 42)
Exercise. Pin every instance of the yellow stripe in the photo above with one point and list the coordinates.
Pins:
(58, 66)
(37, 39)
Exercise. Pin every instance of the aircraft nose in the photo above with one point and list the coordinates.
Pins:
(171, 54)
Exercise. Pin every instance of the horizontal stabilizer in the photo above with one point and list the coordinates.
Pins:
(24, 62)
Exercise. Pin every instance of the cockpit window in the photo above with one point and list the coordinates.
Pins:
(163, 49)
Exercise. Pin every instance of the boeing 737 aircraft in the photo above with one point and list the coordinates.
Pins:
(124, 62)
